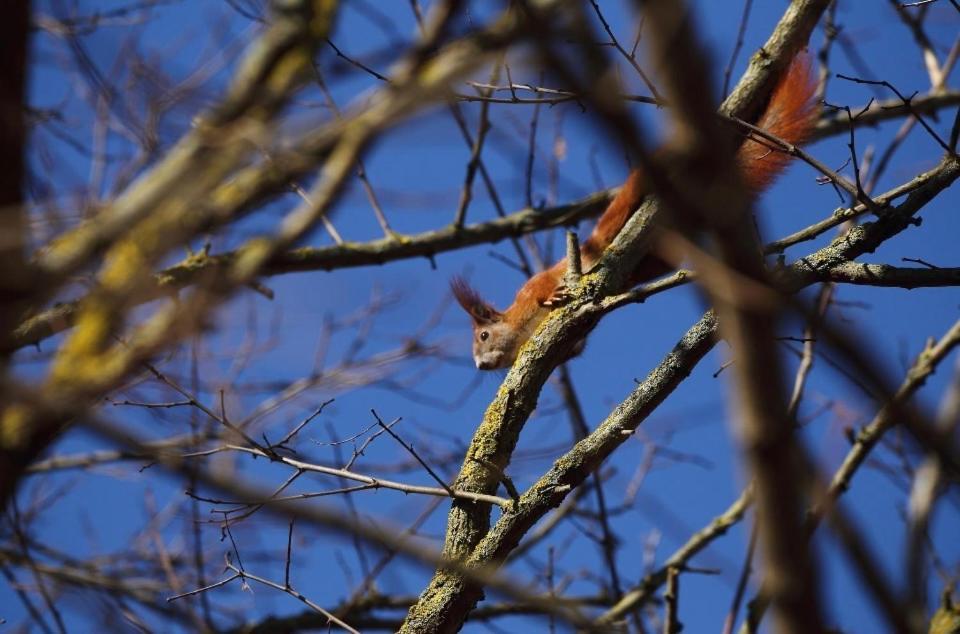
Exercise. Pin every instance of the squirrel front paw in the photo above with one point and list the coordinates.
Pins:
(559, 297)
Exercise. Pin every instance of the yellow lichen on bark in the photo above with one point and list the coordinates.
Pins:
(323, 14)
(81, 359)
(14, 424)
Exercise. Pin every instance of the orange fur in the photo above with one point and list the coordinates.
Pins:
(790, 115)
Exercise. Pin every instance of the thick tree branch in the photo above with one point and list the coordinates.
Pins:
(891, 276)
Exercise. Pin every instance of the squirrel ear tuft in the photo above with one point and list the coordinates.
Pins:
(479, 310)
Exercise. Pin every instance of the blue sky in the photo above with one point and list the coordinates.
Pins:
(417, 169)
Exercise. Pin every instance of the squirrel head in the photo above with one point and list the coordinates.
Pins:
(495, 341)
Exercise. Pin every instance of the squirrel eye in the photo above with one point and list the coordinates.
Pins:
(484, 335)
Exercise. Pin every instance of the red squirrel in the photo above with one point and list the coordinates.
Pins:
(791, 114)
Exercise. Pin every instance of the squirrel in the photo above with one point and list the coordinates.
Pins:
(790, 115)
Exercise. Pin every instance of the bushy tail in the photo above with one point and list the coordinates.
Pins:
(790, 115)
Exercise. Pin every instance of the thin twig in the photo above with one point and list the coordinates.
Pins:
(413, 453)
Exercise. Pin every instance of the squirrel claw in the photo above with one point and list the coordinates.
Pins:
(559, 297)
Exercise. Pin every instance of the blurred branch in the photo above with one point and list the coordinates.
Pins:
(427, 244)
(892, 411)
(15, 275)
(707, 181)
(123, 580)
